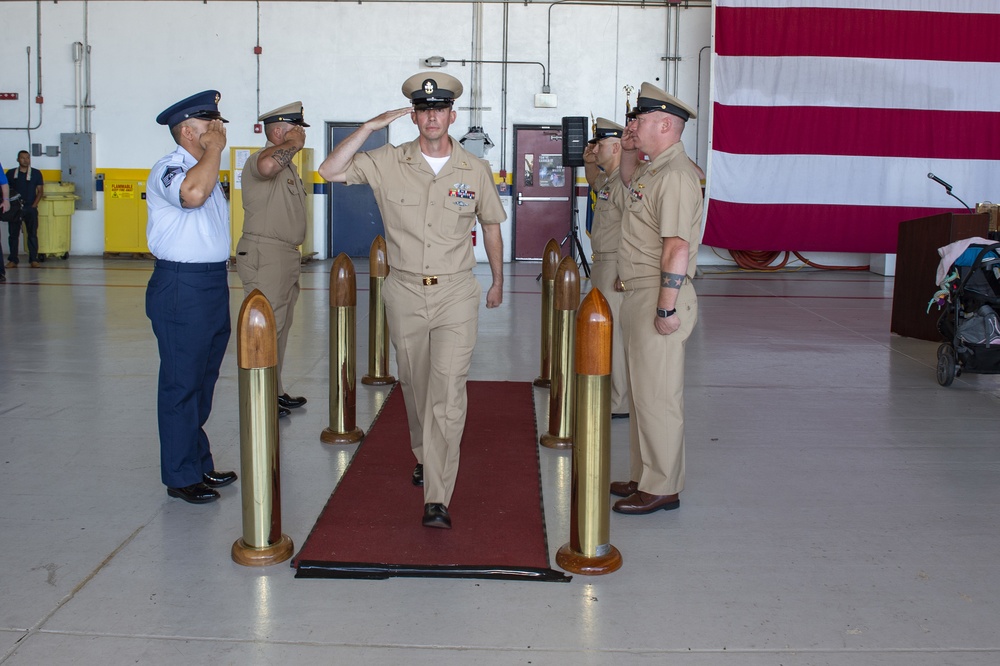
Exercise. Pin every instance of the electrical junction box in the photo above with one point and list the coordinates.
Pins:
(545, 100)
(78, 167)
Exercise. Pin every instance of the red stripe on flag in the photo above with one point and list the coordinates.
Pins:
(804, 227)
(816, 130)
(855, 33)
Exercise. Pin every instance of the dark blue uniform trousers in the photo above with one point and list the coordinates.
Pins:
(188, 305)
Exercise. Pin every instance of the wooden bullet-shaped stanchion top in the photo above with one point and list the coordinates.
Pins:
(378, 261)
(593, 335)
(343, 283)
(550, 260)
(256, 333)
(566, 294)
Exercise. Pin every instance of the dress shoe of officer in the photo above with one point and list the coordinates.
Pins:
(436, 515)
(3, 278)
(640, 503)
(197, 493)
(283, 412)
(418, 475)
(35, 264)
(217, 479)
(288, 402)
(624, 488)
(620, 415)
(11, 264)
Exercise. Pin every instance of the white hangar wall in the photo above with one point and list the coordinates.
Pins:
(344, 60)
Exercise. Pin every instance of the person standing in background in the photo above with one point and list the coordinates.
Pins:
(274, 201)
(27, 182)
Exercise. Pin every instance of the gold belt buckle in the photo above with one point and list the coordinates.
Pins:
(428, 280)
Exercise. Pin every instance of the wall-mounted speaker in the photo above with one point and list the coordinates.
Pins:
(574, 130)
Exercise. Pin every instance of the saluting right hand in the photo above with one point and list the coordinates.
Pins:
(590, 153)
(296, 135)
(383, 120)
(628, 137)
(214, 136)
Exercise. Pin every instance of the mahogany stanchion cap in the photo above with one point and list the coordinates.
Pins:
(550, 260)
(256, 333)
(566, 295)
(378, 261)
(343, 283)
(593, 335)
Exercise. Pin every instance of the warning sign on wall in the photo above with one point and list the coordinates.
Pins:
(122, 190)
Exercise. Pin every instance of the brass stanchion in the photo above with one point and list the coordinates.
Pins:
(262, 542)
(343, 427)
(378, 329)
(550, 262)
(589, 550)
(566, 299)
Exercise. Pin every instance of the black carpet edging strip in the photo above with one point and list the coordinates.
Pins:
(372, 571)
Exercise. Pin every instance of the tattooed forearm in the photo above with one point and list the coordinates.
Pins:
(283, 156)
(671, 280)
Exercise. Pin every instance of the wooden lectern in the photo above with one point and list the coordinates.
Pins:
(916, 265)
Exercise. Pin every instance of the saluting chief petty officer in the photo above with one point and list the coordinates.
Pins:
(187, 299)
(274, 201)
(430, 192)
(657, 259)
(600, 164)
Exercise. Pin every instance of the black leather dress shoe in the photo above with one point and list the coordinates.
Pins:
(217, 479)
(288, 402)
(436, 515)
(418, 475)
(283, 412)
(197, 493)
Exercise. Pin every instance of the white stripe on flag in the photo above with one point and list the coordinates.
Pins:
(851, 180)
(857, 82)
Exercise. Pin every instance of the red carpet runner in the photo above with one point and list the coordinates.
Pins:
(370, 527)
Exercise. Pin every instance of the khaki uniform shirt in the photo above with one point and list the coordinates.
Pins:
(606, 231)
(274, 207)
(663, 200)
(429, 219)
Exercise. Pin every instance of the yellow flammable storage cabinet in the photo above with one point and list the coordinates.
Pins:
(125, 213)
(303, 161)
(55, 211)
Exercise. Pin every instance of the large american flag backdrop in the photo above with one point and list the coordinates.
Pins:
(828, 116)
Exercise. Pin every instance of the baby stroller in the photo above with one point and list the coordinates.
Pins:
(969, 323)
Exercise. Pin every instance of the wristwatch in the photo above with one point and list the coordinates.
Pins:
(660, 312)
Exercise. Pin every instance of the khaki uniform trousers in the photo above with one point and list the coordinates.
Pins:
(656, 382)
(433, 329)
(603, 275)
(273, 267)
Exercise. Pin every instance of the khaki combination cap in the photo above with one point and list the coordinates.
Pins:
(432, 90)
(652, 98)
(289, 113)
(605, 128)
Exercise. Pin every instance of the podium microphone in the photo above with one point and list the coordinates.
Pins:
(947, 189)
(937, 180)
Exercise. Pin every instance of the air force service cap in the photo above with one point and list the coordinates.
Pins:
(203, 105)
(289, 113)
(432, 90)
(604, 128)
(652, 98)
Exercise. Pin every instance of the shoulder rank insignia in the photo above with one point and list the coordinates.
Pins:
(169, 175)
